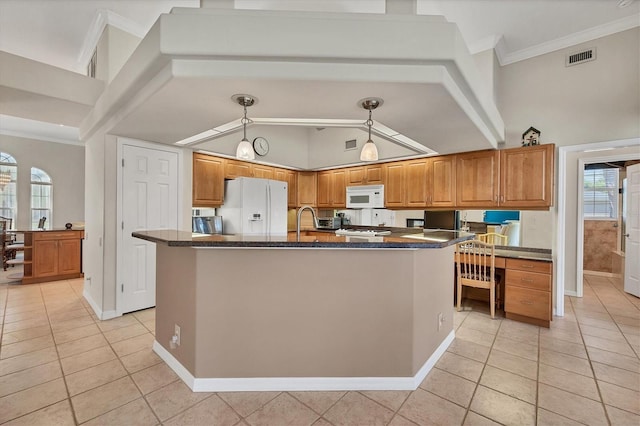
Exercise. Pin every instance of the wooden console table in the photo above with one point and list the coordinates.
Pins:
(52, 255)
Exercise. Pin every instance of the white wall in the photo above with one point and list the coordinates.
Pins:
(326, 147)
(113, 50)
(591, 102)
(64, 163)
(287, 145)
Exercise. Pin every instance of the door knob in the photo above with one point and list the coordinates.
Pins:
(626, 235)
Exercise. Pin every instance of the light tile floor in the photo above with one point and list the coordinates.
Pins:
(60, 365)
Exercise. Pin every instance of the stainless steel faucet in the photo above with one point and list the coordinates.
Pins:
(315, 219)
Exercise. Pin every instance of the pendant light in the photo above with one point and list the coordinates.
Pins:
(245, 149)
(369, 151)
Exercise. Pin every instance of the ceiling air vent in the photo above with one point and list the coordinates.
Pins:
(580, 57)
(350, 144)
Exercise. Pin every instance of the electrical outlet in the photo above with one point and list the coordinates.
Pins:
(177, 334)
(440, 320)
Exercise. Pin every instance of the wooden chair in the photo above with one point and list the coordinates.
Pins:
(476, 262)
(9, 246)
(494, 238)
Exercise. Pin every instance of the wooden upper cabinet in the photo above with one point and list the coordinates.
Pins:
(208, 181)
(416, 183)
(307, 189)
(527, 176)
(332, 188)
(292, 188)
(477, 179)
(395, 186)
(235, 168)
(365, 175)
(325, 182)
(339, 188)
(355, 176)
(261, 171)
(441, 181)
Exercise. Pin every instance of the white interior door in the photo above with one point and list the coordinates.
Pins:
(149, 201)
(632, 243)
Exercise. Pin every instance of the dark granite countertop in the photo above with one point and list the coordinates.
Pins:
(400, 238)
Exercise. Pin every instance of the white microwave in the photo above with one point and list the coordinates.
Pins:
(365, 197)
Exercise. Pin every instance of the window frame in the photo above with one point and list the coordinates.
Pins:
(8, 161)
(611, 192)
(46, 182)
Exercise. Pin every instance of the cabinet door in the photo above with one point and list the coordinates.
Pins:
(234, 169)
(307, 188)
(396, 185)
(339, 189)
(526, 176)
(477, 179)
(45, 258)
(325, 182)
(263, 172)
(292, 188)
(208, 181)
(355, 176)
(374, 175)
(69, 256)
(416, 181)
(441, 181)
(527, 302)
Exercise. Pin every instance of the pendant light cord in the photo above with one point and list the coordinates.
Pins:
(244, 123)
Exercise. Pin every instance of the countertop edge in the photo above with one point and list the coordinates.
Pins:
(408, 244)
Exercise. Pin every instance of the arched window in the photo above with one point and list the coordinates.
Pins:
(41, 198)
(8, 197)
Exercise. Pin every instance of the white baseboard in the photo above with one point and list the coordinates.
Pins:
(302, 383)
(598, 273)
(99, 313)
(571, 293)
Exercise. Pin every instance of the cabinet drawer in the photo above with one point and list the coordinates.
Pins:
(529, 265)
(528, 302)
(62, 235)
(532, 280)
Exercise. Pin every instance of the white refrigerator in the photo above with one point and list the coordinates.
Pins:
(254, 207)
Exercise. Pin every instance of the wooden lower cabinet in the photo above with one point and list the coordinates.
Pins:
(528, 296)
(52, 255)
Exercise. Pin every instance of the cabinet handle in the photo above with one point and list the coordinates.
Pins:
(526, 302)
(502, 198)
(526, 266)
(526, 280)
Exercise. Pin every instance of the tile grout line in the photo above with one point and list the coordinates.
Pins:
(484, 366)
(595, 379)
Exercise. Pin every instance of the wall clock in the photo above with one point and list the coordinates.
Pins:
(261, 146)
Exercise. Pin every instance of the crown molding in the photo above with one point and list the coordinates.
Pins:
(39, 130)
(613, 27)
(103, 18)
(484, 44)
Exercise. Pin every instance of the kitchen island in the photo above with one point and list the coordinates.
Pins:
(324, 312)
